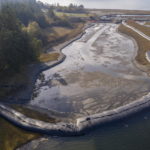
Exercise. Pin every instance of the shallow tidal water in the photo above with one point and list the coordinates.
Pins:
(97, 75)
(128, 134)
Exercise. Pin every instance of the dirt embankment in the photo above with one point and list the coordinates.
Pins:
(142, 28)
(143, 46)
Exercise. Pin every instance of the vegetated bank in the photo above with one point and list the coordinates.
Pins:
(143, 45)
(142, 28)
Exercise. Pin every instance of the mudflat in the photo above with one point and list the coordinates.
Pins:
(97, 75)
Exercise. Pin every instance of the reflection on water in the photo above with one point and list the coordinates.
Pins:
(97, 75)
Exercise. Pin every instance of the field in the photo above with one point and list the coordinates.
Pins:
(143, 44)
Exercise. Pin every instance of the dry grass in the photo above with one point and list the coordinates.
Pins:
(48, 57)
(143, 44)
(142, 28)
(62, 34)
(61, 31)
(76, 31)
(11, 137)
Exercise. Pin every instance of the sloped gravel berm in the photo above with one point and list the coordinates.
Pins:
(80, 126)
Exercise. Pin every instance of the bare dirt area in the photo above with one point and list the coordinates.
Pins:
(97, 75)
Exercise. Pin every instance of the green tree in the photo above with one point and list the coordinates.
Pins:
(16, 48)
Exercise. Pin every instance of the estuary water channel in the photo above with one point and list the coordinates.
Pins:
(97, 75)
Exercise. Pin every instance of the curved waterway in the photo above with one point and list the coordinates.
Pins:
(97, 75)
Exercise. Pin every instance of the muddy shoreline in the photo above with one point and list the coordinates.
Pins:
(82, 124)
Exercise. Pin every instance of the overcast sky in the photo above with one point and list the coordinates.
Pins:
(112, 4)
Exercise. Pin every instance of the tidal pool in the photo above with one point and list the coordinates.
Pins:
(97, 75)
